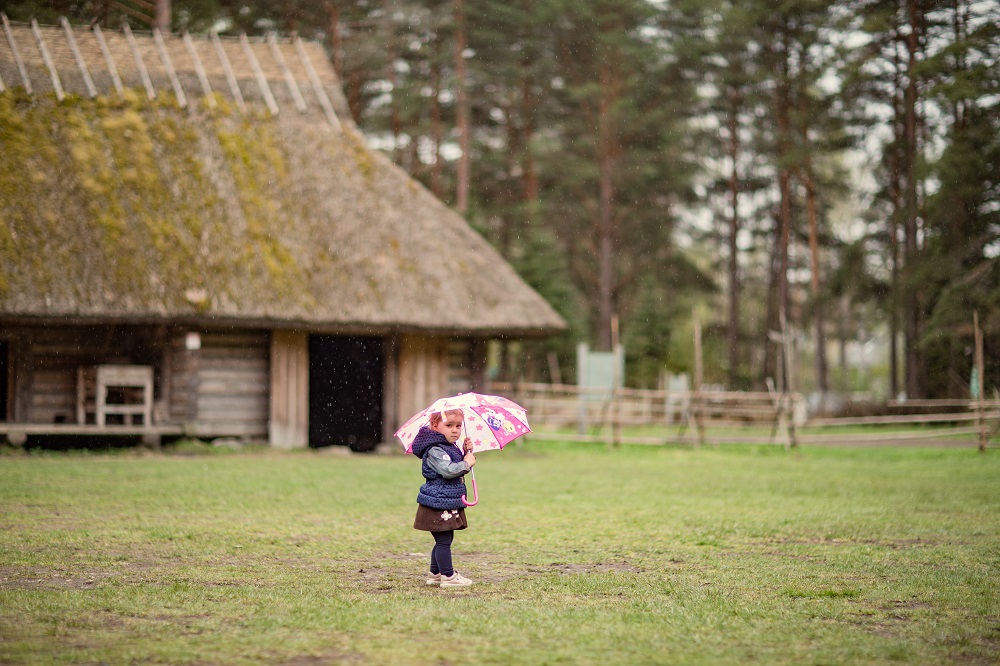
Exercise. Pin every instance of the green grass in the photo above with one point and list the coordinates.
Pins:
(581, 554)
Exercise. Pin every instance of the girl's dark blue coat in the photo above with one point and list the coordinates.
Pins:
(438, 492)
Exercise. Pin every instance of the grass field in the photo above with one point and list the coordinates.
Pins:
(581, 555)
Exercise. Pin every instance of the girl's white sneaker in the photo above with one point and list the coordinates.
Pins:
(433, 579)
(455, 580)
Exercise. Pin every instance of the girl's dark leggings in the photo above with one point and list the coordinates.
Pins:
(441, 555)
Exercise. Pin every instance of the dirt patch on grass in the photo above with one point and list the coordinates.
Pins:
(41, 578)
(801, 558)
(894, 544)
(911, 604)
(603, 567)
(320, 659)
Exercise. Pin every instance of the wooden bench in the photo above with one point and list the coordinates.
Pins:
(124, 391)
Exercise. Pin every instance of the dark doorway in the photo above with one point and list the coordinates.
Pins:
(345, 391)
(4, 378)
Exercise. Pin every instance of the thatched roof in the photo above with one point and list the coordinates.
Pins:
(270, 213)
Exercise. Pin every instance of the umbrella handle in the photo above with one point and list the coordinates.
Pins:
(475, 492)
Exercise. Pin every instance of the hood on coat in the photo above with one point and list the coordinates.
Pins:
(425, 439)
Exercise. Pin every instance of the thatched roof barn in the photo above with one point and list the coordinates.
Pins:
(157, 187)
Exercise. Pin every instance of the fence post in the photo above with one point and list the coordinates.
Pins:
(698, 381)
(980, 403)
(582, 397)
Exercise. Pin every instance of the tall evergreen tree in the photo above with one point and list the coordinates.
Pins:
(621, 156)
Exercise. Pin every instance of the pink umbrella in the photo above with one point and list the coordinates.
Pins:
(491, 422)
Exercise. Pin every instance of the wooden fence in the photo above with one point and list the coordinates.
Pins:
(637, 416)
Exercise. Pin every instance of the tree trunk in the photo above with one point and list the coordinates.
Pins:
(734, 228)
(914, 384)
(336, 45)
(162, 19)
(783, 112)
(508, 195)
(437, 129)
(822, 381)
(769, 367)
(959, 213)
(462, 109)
(808, 180)
(529, 167)
(896, 161)
(608, 152)
(843, 332)
(396, 123)
(897, 208)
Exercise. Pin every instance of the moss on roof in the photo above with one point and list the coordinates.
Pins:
(128, 208)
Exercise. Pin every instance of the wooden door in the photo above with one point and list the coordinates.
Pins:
(289, 423)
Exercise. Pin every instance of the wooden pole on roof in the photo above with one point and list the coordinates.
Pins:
(53, 73)
(234, 86)
(206, 87)
(169, 66)
(293, 87)
(71, 38)
(22, 70)
(106, 52)
(265, 89)
(317, 86)
(150, 92)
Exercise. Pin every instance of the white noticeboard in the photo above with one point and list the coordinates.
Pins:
(598, 375)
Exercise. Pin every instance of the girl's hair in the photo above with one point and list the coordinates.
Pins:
(437, 417)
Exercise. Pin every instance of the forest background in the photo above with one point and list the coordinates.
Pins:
(826, 172)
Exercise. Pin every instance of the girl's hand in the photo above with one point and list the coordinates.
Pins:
(467, 445)
(470, 458)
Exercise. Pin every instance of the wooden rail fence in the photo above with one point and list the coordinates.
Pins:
(639, 416)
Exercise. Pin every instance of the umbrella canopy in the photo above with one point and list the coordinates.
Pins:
(491, 421)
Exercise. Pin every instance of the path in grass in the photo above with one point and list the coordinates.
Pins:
(581, 554)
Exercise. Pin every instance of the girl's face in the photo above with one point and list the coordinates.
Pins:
(450, 427)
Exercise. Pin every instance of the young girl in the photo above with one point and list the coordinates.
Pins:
(440, 509)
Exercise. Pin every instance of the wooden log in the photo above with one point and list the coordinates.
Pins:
(293, 87)
(139, 63)
(317, 86)
(888, 420)
(206, 87)
(22, 70)
(265, 89)
(47, 59)
(169, 66)
(234, 86)
(109, 61)
(80, 63)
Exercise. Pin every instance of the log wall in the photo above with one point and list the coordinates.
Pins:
(45, 361)
(219, 389)
(233, 382)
